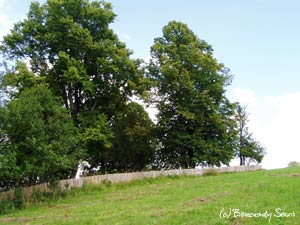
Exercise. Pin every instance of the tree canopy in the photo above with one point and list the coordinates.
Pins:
(39, 140)
(71, 48)
(133, 146)
(70, 44)
(68, 98)
(194, 115)
(194, 119)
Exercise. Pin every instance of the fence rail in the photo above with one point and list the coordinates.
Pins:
(126, 177)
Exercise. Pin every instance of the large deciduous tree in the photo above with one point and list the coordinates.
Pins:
(69, 42)
(71, 48)
(195, 122)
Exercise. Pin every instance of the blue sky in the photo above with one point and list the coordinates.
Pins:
(258, 40)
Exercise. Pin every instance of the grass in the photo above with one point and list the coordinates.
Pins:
(175, 200)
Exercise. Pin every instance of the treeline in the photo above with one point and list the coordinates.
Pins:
(68, 98)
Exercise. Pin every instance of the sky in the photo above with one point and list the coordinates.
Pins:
(257, 40)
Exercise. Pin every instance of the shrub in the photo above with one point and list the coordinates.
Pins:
(210, 172)
(37, 197)
(6, 205)
(170, 176)
(19, 199)
(106, 183)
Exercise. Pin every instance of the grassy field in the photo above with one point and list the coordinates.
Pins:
(262, 197)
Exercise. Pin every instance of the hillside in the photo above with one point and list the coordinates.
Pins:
(272, 196)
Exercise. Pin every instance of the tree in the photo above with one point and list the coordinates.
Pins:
(72, 49)
(70, 44)
(195, 124)
(39, 140)
(248, 149)
(134, 143)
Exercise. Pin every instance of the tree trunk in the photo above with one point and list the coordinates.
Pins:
(242, 161)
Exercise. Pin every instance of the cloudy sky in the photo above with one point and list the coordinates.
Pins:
(258, 40)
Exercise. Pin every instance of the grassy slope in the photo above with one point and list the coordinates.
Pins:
(184, 200)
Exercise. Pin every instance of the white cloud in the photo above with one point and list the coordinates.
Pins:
(147, 59)
(245, 96)
(281, 133)
(151, 110)
(6, 22)
(10, 14)
(275, 122)
(124, 36)
(2, 4)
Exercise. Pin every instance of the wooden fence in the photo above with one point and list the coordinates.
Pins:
(127, 177)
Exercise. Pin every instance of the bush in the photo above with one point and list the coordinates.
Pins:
(36, 197)
(173, 176)
(106, 183)
(19, 199)
(6, 206)
(210, 172)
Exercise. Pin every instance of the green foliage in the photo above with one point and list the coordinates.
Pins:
(134, 143)
(41, 139)
(71, 48)
(74, 100)
(19, 198)
(37, 197)
(194, 120)
(50, 197)
(70, 44)
(187, 200)
(9, 204)
(210, 172)
(248, 149)
(6, 206)
(173, 176)
(97, 138)
(106, 183)
(19, 79)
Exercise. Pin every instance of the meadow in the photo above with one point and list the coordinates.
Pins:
(260, 197)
